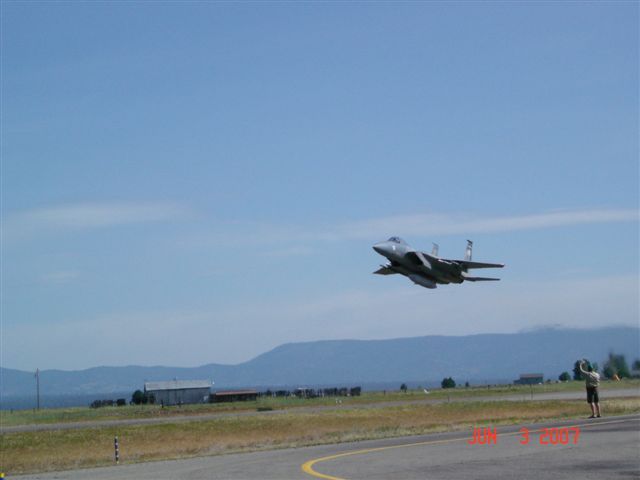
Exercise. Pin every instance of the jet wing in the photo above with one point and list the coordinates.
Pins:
(469, 264)
(385, 270)
(433, 258)
(465, 264)
(420, 259)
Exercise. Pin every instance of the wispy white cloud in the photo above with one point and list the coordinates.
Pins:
(440, 224)
(412, 225)
(296, 238)
(90, 216)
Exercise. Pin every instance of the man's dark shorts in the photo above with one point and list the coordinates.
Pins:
(592, 395)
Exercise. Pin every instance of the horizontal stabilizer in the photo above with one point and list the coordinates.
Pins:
(480, 279)
(385, 270)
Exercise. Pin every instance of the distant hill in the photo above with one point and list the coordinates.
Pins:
(474, 358)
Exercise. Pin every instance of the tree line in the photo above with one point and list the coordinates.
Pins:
(615, 367)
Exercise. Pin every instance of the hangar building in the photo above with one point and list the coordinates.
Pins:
(529, 379)
(178, 392)
(234, 396)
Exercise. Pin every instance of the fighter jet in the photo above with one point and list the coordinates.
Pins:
(428, 269)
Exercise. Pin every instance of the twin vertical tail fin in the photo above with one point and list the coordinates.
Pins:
(468, 252)
(434, 250)
(468, 264)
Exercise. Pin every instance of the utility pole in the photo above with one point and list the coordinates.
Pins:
(37, 388)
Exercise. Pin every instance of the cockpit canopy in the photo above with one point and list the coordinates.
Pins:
(397, 240)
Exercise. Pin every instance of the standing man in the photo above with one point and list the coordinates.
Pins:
(592, 380)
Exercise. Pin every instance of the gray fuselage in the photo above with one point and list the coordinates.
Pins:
(421, 268)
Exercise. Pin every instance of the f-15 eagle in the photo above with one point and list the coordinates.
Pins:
(428, 269)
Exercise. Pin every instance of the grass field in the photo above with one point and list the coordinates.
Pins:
(85, 414)
(88, 447)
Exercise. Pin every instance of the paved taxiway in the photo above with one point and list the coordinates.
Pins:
(607, 448)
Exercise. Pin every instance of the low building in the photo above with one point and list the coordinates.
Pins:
(234, 396)
(529, 379)
(178, 392)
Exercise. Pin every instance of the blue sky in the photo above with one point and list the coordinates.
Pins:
(185, 183)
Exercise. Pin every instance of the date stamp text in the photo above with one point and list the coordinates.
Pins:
(545, 436)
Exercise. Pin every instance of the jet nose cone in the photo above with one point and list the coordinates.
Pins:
(379, 248)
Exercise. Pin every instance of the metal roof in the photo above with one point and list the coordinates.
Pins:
(177, 385)
(237, 392)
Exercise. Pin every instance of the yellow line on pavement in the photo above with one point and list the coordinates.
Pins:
(307, 467)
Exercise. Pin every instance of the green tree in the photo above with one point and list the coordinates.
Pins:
(564, 377)
(616, 365)
(636, 364)
(577, 374)
(609, 370)
(448, 383)
(403, 388)
(138, 397)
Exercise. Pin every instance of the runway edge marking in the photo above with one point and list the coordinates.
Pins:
(307, 467)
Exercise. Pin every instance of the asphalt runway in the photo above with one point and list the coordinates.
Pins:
(606, 448)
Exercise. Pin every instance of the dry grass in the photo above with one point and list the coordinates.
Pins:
(85, 414)
(70, 449)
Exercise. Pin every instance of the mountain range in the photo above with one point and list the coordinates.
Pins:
(484, 358)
